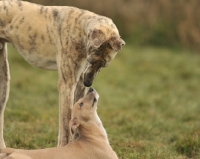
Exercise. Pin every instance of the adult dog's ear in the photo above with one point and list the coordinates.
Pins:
(95, 38)
(74, 124)
(116, 43)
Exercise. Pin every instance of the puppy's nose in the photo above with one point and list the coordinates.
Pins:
(91, 89)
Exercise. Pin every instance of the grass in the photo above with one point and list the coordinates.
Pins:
(149, 104)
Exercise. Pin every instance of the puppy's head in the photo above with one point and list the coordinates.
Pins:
(103, 44)
(84, 110)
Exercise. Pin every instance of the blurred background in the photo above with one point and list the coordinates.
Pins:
(149, 95)
(149, 22)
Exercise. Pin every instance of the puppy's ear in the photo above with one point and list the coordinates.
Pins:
(96, 37)
(116, 43)
(74, 124)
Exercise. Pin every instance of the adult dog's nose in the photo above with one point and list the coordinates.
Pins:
(91, 89)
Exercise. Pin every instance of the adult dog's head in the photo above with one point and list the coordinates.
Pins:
(103, 43)
(85, 111)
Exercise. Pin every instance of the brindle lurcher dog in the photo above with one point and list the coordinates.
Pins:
(76, 42)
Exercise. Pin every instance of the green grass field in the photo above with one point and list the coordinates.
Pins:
(149, 104)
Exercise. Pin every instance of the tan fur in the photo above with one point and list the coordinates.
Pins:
(76, 42)
(92, 142)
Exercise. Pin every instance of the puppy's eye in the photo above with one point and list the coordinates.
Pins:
(81, 104)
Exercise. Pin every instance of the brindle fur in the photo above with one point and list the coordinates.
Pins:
(76, 42)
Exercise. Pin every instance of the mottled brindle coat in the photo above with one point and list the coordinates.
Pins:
(76, 42)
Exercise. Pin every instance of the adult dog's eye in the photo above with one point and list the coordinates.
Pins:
(81, 104)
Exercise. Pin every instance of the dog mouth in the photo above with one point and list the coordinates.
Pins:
(90, 73)
(94, 101)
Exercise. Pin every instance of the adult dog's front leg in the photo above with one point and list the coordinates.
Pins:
(80, 90)
(4, 86)
(66, 99)
(66, 85)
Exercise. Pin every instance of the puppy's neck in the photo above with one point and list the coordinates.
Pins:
(93, 131)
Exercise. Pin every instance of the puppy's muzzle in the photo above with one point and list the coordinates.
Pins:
(93, 92)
